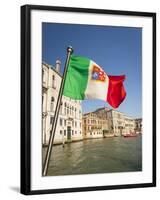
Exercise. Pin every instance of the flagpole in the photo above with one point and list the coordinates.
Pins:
(53, 129)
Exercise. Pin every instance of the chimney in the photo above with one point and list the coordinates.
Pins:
(58, 65)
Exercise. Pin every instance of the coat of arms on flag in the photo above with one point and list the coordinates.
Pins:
(98, 74)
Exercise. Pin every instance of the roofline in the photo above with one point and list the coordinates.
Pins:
(139, 118)
(87, 113)
(51, 67)
(113, 110)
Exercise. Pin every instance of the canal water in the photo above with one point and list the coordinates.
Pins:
(105, 155)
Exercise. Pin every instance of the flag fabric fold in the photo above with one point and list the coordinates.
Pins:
(87, 80)
(116, 91)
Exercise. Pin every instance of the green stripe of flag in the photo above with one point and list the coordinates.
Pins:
(77, 77)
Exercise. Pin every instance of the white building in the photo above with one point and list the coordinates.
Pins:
(120, 123)
(138, 123)
(69, 125)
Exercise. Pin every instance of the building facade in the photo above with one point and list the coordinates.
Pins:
(93, 126)
(69, 124)
(138, 125)
(103, 113)
(118, 122)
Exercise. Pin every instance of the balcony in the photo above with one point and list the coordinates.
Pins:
(70, 117)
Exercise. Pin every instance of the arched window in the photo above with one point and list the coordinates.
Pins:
(75, 112)
(65, 107)
(72, 110)
(53, 82)
(75, 124)
(60, 121)
(42, 98)
(52, 103)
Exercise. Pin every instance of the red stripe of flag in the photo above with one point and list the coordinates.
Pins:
(116, 92)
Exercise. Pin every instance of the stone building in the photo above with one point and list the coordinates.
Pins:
(118, 122)
(69, 125)
(93, 126)
(138, 125)
(121, 123)
(103, 113)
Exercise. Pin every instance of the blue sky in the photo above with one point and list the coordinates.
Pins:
(118, 50)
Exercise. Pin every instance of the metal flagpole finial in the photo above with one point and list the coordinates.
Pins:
(70, 49)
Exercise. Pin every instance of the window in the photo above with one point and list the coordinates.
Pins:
(51, 120)
(72, 132)
(64, 132)
(43, 76)
(52, 104)
(75, 124)
(53, 82)
(60, 122)
(42, 99)
(61, 132)
(65, 122)
(65, 107)
(75, 112)
(72, 110)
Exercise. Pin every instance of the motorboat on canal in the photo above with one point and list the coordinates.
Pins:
(130, 135)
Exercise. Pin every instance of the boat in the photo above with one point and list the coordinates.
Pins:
(130, 135)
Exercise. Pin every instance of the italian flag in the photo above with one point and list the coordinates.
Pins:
(87, 80)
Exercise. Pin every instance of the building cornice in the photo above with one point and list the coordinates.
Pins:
(109, 110)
